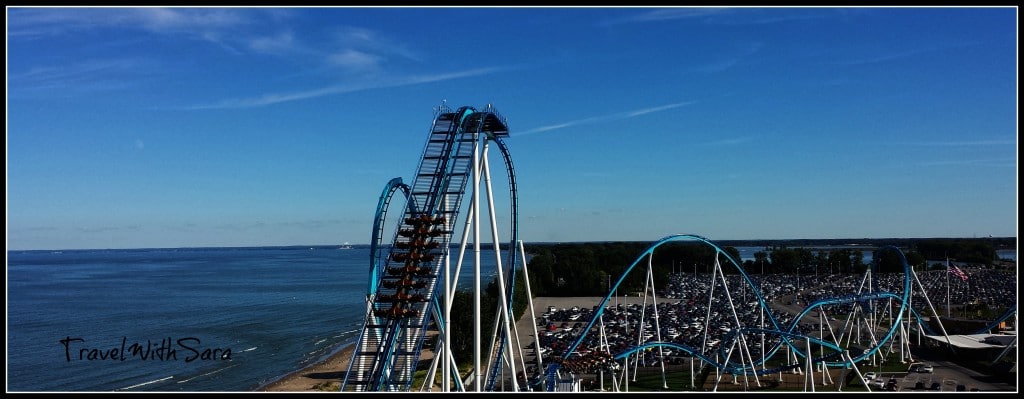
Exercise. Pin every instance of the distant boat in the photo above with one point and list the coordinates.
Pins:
(345, 246)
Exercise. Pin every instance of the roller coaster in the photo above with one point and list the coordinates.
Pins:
(723, 324)
(749, 339)
(410, 279)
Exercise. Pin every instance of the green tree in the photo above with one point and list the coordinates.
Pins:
(820, 262)
(857, 261)
(785, 261)
(760, 260)
(727, 266)
(916, 260)
(980, 251)
(888, 261)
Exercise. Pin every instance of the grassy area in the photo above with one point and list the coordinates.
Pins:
(650, 380)
(677, 378)
(328, 386)
(420, 376)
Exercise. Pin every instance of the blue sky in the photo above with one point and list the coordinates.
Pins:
(195, 127)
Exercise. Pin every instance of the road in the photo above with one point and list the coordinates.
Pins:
(949, 374)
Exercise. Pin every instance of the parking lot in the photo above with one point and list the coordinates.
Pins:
(946, 373)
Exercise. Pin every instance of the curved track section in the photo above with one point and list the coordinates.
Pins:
(404, 283)
(513, 255)
(730, 327)
(1011, 312)
(378, 227)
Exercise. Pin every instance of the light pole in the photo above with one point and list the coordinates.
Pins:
(798, 278)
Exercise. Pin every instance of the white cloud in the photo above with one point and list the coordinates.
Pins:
(58, 21)
(728, 141)
(83, 75)
(282, 42)
(275, 98)
(617, 116)
(746, 50)
(354, 59)
(1004, 162)
(723, 15)
(968, 143)
(369, 41)
(667, 14)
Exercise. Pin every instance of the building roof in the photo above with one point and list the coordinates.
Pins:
(973, 341)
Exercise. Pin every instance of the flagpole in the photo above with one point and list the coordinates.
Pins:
(947, 287)
(968, 293)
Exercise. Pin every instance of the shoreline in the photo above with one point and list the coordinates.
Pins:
(325, 373)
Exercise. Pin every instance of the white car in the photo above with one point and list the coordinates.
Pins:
(921, 368)
(869, 376)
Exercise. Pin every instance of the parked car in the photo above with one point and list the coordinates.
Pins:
(921, 368)
(869, 376)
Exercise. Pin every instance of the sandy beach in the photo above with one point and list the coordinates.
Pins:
(326, 376)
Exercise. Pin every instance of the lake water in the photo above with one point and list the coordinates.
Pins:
(276, 309)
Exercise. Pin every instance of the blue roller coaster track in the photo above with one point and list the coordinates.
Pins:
(786, 336)
(404, 295)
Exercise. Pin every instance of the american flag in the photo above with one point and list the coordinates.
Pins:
(957, 272)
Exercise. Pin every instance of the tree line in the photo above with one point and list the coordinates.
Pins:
(591, 269)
